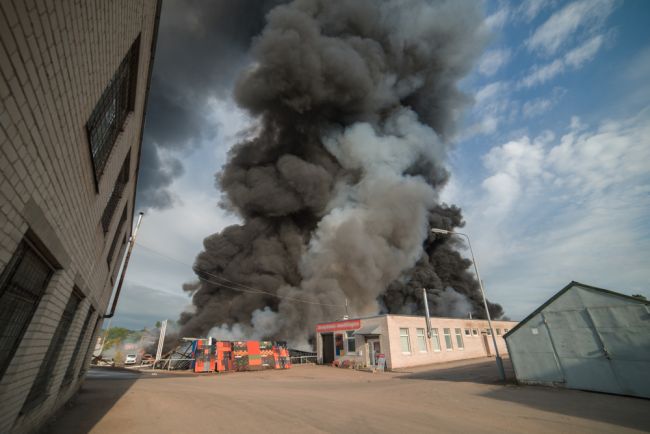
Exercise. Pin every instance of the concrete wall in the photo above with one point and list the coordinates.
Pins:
(56, 59)
(586, 339)
(474, 345)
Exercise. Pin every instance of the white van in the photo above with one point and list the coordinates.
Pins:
(130, 359)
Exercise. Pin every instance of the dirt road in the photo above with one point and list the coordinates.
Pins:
(451, 398)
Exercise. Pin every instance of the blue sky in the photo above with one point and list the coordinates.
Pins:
(551, 165)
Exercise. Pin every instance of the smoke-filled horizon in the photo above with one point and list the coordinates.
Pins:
(338, 183)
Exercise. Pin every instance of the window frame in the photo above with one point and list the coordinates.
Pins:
(122, 86)
(460, 343)
(449, 344)
(468, 332)
(349, 336)
(475, 332)
(7, 276)
(42, 381)
(423, 341)
(408, 340)
(435, 337)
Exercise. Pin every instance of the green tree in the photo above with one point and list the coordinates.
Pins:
(639, 296)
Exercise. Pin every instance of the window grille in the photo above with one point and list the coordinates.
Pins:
(38, 392)
(69, 373)
(120, 225)
(91, 346)
(22, 285)
(116, 194)
(117, 101)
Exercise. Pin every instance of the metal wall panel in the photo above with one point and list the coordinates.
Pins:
(599, 342)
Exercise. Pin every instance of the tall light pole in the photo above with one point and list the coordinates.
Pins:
(502, 373)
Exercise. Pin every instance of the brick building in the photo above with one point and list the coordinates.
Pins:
(74, 80)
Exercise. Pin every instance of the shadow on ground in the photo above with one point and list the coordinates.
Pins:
(614, 409)
(484, 372)
(100, 391)
(617, 410)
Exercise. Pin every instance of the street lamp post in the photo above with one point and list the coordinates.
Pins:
(502, 373)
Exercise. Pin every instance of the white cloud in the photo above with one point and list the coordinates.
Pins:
(559, 29)
(551, 210)
(529, 9)
(576, 58)
(493, 60)
(542, 74)
(538, 106)
(498, 19)
(584, 53)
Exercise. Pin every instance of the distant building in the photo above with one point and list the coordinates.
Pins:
(402, 340)
(73, 89)
(585, 338)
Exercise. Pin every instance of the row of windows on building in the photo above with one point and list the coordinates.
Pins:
(25, 278)
(23, 283)
(449, 337)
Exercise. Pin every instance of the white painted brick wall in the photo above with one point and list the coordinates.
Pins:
(56, 59)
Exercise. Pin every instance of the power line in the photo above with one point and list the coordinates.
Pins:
(241, 287)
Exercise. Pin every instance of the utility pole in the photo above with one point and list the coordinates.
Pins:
(426, 312)
(126, 264)
(502, 372)
(161, 341)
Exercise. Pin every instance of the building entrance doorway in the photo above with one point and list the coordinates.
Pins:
(328, 348)
(486, 344)
(374, 348)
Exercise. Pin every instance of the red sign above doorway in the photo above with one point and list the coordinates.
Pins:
(352, 324)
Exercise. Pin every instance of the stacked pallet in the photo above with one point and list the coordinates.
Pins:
(251, 356)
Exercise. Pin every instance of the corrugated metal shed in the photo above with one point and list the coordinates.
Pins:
(585, 338)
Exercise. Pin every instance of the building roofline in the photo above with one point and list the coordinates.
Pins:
(410, 316)
(565, 289)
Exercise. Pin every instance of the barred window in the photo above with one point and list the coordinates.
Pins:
(38, 392)
(22, 285)
(69, 373)
(116, 195)
(91, 346)
(120, 225)
(108, 117)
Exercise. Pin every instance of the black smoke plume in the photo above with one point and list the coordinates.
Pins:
(338, 186)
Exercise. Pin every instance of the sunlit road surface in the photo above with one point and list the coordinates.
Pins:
(454, 397)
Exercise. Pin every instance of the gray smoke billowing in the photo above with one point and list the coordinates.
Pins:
(338, 189)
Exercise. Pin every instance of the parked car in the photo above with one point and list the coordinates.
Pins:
(131, 359)
(147, 359)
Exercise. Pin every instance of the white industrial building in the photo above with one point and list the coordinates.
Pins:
(585, 338)
(401, 340)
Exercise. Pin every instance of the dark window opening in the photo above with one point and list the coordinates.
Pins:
(38, 392)
(69, 372)
(117, 101)
(91, 343)
(120, 225)
(22, 284)
(116, 195)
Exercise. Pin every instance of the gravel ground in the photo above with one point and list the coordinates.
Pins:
(451, 398)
